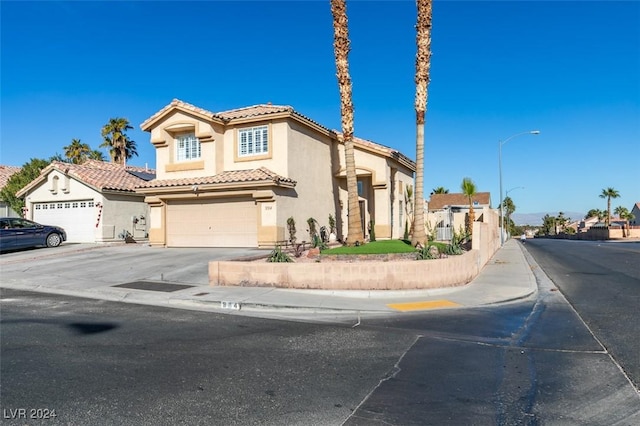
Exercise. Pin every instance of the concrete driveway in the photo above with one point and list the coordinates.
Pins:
(108, 264)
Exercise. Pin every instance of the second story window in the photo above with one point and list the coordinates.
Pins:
(187, 147)
(253, 141)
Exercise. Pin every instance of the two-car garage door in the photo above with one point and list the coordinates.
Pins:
(212, 223)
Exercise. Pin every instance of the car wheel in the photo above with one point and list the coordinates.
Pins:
(54, 240)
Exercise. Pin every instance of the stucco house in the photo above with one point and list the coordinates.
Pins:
(635, 211)
(5, 173)
(233, 178)
(446, 213)
(94, 201)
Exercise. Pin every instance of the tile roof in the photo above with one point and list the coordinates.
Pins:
(440, 201)
(5, 174)
(390, 152)
(234, 176)
(229, 115)
(99, 175)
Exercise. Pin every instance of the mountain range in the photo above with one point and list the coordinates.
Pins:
(535, 219)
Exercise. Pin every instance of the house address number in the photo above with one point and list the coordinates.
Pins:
(230, 305)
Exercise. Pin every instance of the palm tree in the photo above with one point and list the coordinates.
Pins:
(609, 193)
(341, 47)
(96, 155)
(439, 190)
(121, 148)
(469, 189)
(623, 213)
(77, 152)
(423, 63)
(508, 207)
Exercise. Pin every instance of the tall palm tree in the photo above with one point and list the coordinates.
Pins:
(341, 47)
(77, 152)
(439, 190)
(609, 193)
(121, 148)
(469, 190)
(423, 63)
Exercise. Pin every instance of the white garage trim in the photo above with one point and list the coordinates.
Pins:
(212, 223)
(78, 218)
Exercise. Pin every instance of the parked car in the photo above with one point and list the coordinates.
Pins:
(16, 233)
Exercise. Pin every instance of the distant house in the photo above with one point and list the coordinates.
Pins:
(5, 173)
(635, 211)
(234, 178)
(94, 201)
(447, 212)
(585, 224)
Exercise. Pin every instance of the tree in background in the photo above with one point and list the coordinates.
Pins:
(77, 152)
(508, 207)
(624, 214)
(96, 155)
(423, 63)
(439, 190)
(341, 47)
(469, 190)
(595, 213)
(561, 223)
(115, 139)
(548, 225)
(19, 180)
(609, 193)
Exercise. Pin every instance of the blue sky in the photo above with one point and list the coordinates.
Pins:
(569, 69)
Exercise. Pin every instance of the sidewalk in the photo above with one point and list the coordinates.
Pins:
(506, 277)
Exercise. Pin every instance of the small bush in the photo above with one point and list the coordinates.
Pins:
(427, 253)
(278, 256)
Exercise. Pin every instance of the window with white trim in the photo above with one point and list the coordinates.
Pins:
(187, 147)
(253, 141)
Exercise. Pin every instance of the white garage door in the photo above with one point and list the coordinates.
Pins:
(214, 223)
(78, 218)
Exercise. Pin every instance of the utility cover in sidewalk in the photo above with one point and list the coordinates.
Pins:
(153, 286)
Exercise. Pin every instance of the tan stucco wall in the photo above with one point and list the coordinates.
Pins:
(400, 275)
(163, 137)
(117, 217)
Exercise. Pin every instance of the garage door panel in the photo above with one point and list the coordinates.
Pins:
(212, 224)
(76, 217)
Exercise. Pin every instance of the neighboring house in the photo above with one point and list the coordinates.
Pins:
(233, 178)
(585, 224)
(94, 201)
(447, 212)
(635, 211)
(5, 173)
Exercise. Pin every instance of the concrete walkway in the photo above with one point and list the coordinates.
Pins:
(506, 277)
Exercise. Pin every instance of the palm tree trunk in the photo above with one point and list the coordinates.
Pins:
(341, 47)
(423, 62)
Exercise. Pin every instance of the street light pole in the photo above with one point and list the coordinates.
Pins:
(500, 143)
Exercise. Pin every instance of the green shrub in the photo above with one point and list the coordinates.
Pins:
(278, 256)
(427, 253)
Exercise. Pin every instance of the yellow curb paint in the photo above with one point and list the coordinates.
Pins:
(417, 306)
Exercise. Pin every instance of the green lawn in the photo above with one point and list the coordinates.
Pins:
(376, 247)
